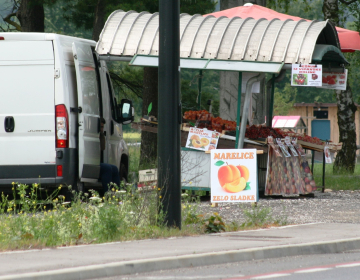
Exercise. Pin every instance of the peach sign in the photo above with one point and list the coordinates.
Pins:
(202, 139)
(234, 175)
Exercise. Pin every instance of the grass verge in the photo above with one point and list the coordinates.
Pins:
(28, 223)
(336, 182)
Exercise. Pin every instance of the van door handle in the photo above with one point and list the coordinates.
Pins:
(9, 124)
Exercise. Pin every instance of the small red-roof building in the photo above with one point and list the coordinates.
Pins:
(321, 120)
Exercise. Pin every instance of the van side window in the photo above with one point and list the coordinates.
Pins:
(112, 99)
(91, 90)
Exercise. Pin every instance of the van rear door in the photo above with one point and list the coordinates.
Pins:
(89, 113)
(27, 111)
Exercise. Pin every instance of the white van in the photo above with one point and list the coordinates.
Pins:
(53, 93)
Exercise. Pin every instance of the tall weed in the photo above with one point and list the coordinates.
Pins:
(28, 222)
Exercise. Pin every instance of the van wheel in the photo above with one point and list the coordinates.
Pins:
(67, 193)
(80, 187)
(123, 175)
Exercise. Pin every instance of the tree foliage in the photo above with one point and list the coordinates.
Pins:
(81, 12)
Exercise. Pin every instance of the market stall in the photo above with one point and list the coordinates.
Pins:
(226, 44)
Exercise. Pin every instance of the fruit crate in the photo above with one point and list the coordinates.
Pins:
(317, 147)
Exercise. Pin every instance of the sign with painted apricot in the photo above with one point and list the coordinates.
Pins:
(202, 139)
(233, 175)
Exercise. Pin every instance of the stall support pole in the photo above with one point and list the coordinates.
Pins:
(271, 109)
(245, 112)
(312, 161)
(199, 89)
(323, 175)
(238, 110)
(169, 115)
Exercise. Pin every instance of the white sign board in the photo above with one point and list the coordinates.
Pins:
(233, 175)
(202, 139)
(334, 80)
(308, 75)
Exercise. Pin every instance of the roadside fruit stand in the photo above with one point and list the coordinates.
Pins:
(245, 45)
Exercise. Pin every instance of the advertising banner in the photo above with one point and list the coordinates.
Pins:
(202, 139)
(233, 175)
(332, 80)
(308, 75)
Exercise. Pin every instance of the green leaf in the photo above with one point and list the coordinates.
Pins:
(247, 186)
(191, 123)
(149, 108)
(219, 163)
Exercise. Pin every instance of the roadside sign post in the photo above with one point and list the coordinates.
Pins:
(169, 115)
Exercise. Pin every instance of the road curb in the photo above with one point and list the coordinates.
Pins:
(192, 260)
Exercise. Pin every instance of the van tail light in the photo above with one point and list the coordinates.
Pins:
(59, 170)
(62, 126)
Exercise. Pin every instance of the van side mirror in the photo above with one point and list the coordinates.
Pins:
(126, 111)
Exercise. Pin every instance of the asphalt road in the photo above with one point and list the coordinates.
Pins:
(326, 266)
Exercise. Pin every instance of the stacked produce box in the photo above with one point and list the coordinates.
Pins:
(204, 119)
(288, 172)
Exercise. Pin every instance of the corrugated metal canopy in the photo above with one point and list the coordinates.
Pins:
(131, 33)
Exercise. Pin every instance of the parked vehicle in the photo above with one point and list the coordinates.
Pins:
(54, 91)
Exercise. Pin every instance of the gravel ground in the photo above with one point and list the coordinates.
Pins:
(327, 207)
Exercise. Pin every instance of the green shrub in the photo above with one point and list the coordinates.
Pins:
(214, 224)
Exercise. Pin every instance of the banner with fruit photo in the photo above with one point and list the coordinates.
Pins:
(334, 80)
(202, 139)
(309, 75)
(234, 175)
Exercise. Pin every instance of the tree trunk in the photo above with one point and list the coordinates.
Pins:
(99, 19)
(345, 158)
(331, 11)
(229, 80)
(148, 153)
(228, 95)
(31, 16)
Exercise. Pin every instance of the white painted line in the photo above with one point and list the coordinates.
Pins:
(24, 251)
(222, 276)
(348, 265)
(271, 276)
(313, 270)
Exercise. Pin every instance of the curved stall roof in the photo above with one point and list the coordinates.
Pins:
(207, 38)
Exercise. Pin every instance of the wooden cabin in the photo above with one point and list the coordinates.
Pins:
(321, 120)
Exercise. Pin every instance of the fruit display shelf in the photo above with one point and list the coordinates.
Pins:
(226, 141)
(145, 126)
(319, 148)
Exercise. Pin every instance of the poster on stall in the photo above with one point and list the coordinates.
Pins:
(202, 139)
(309, 75)
(233, 175)
(332, 80)
(327, 154)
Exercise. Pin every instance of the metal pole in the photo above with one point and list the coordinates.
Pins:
(199, 88)
(169, 112)
(245, 112)
(323, 175)
(238, 110)
(271, 109)
(312, 161)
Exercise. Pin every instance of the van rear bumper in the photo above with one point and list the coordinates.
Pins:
(44, 174)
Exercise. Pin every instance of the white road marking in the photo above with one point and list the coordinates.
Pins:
(348, 265)
(271, 276)
(222, 276)
(313, 270)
